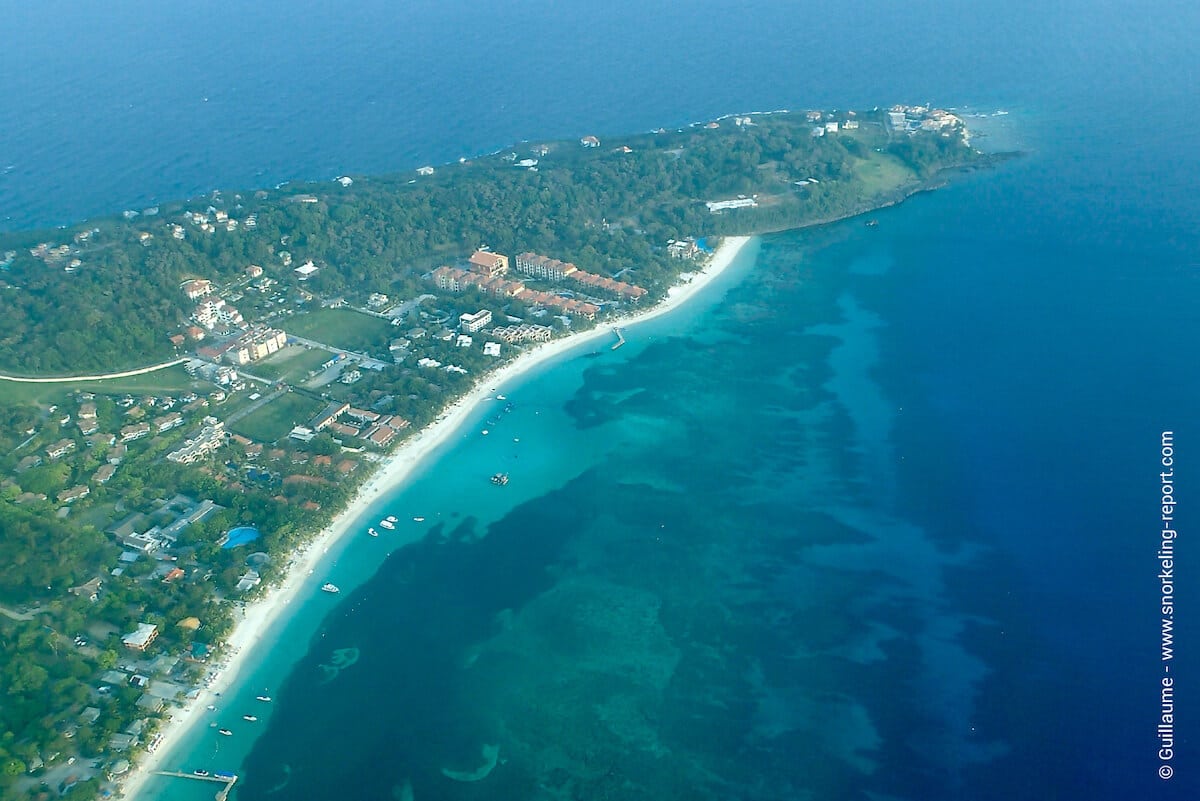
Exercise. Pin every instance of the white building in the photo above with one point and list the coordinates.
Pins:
(140, 638)
(470, 323)
(715, 206)
(306, 270)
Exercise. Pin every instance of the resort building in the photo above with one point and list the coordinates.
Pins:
(140, 639)
(715, 206)
(328, 415)
(450, 278)
(523, 333)
(455, 280)
(306, 271)
(470, 323)
(197, 288)
(544, 267)
(104, 473)
(135, 432)
(60, 448)
(211, 437)
(611, 285)
(167, 422)
(255, 344)
(488, 263)
(74, 494)
(213, 311)
(362, 415)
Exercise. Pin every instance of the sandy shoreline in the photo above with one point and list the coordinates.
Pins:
(262, 613)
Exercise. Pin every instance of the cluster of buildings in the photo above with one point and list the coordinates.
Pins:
(374, 427)
(160, 424)
(830, 126)
(212, 312)
(538, 266)
(256, 343)
(922, 118)
(137, 534)
(212, 219)
(221, 375)
(58, 254)
(454, 279)
(683, 248)
(115, 446)
(487, 272)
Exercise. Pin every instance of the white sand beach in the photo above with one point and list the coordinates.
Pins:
(240, 646)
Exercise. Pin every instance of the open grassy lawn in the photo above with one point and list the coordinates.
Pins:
(292, 364)
(168, 381)
(342, 328)
(882, 173)
(276, 419)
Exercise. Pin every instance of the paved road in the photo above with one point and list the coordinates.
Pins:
(70, 379)
(15, 615)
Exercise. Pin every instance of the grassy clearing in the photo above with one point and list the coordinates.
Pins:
(276, 419)
(292, 364)
(342, 328)
(882, 173)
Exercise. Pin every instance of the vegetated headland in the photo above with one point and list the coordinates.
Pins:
(310, 332)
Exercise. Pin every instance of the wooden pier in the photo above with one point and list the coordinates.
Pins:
(620, 338)
(222, 794)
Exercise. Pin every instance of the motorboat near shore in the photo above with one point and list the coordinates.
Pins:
(333, 588)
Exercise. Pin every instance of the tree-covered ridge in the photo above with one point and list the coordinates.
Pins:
(105, 295)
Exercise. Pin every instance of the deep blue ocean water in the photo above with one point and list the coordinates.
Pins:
(875, 518)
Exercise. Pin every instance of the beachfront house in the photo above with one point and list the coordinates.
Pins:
(140, 638)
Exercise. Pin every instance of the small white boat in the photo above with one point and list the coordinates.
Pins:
(418, 520)
(484, 432)
(327, 587)
(388, 524)
(501, 397)
(373, 532)
(264, 698)
(226, 732)
(211, 707)
(392, 518)
(250, 718)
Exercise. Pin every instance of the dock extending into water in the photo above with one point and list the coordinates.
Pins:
(620, 338)
(222, 794)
